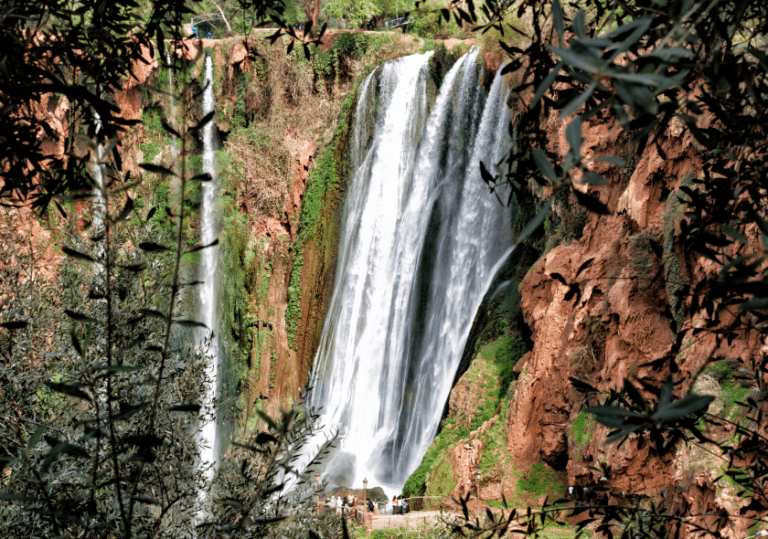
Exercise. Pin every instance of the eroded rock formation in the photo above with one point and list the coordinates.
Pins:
(624, 320)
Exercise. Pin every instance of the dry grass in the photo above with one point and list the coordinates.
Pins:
(583, 359)
(707, 385)
(265, 163)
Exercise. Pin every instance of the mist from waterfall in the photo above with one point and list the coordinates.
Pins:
(421, 239)
(209, 275)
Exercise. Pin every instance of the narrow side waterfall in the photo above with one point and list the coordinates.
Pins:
(172, 105)
(170, 83)
(421, 240)
(99, 204)
(209, 273)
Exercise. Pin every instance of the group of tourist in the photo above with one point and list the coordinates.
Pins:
(209, 35)
(341, 503)
(398, 506)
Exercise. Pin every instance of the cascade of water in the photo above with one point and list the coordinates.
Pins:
(172, 106)
(99, 206)
(208, 272)
(420, 243)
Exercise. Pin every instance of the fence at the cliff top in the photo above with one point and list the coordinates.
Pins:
(414, 504)
(396, 22)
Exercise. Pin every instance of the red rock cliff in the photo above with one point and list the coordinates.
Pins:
(621, 323)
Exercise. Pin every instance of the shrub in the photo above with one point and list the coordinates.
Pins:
(509, 352)
(580, 432)
(150, 149)
(428, 45)
(541, 480)
(583, 359)
(425, 24)
(731, 390)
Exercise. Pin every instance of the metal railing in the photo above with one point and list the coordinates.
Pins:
(412, 505)
(357, 514)
(431, 503)
(395, 23)
(209, 18)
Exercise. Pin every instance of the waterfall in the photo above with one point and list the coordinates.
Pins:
(171, 108)
(208, 273)
(421, 240)
(99, 205)
(170, 83)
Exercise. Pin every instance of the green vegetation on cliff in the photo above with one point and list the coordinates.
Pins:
(675, 282)
(483, 392)
(269, 101)
(581, 432)
(235, 271)
(448, 437)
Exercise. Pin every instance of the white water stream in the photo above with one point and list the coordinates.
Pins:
(209, 274)
(421, 241)
(172, 105)
(99, 201)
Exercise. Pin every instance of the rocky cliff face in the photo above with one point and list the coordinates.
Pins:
(621, 323)
(626, 318)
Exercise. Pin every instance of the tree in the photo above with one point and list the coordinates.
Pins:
(80, 53)
(644, 62)
(222, 15)
(312, 11)
(358, 11)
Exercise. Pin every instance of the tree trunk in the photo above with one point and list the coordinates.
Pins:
(312, 11)
(223, 16)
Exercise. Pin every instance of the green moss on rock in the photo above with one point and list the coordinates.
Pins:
(673, 275)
